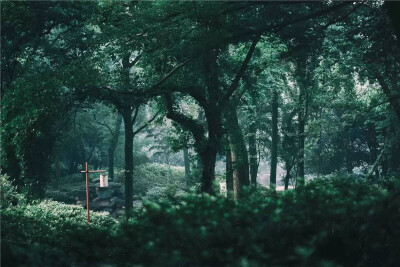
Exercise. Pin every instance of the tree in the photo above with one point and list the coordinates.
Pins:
(274, 126)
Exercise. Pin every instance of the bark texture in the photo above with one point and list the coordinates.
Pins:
(274, 148)
(229, 174)
(239, 155)
(128, 124)
(253, 158)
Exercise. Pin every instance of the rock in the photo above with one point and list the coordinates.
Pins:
(60, 196)
(119, 212)
(111, 185)
(81, 203)
(108, 210)
(137, 197)
(79, 192)
(137, 204)
(119, 202)
(104, 193)
(119, 192)
(101, 205)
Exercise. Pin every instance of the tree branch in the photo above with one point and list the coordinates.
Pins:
(188, 123)
(239, 75)
(383, 102)
(287, 23)
(170, 73)
(135, 114)
(147, 123)
(127, 64)
(103, 124)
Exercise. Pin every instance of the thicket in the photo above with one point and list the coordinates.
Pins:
(154, 177)
(328, 222)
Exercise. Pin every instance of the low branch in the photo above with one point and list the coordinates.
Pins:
(188, 123)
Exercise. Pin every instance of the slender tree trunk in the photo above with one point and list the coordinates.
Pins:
(372, 142)
(378, 160)
(300, 158)
(287, 176)
(274, 150)
(229, 173)
(301, 136)
(238, 150)
(127, 117)
(187, 163)
(113, 146)
(253, 153)
(348, 156)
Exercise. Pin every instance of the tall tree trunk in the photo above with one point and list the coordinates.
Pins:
(300, 158)
(274, 149)
(112, 147)
(393, 97)
(187, 163)
(208, 156)
(301, 136)
(229, 173)
(253, 153)
(237, 144)
(127, 117)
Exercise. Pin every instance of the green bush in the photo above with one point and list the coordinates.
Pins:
(154, 175)
(335, 222)
(48, 232)
(326, 223)
(9, 195)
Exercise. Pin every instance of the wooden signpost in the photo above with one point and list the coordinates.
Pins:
(86, 171)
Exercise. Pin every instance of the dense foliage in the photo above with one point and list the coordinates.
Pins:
(194, 108)
(329, 222)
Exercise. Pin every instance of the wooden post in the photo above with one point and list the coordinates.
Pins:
(86, 171)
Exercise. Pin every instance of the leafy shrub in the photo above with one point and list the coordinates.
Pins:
(9, 195)
(48, 232)
(328, 222)
(148, 176)
(70, 179)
